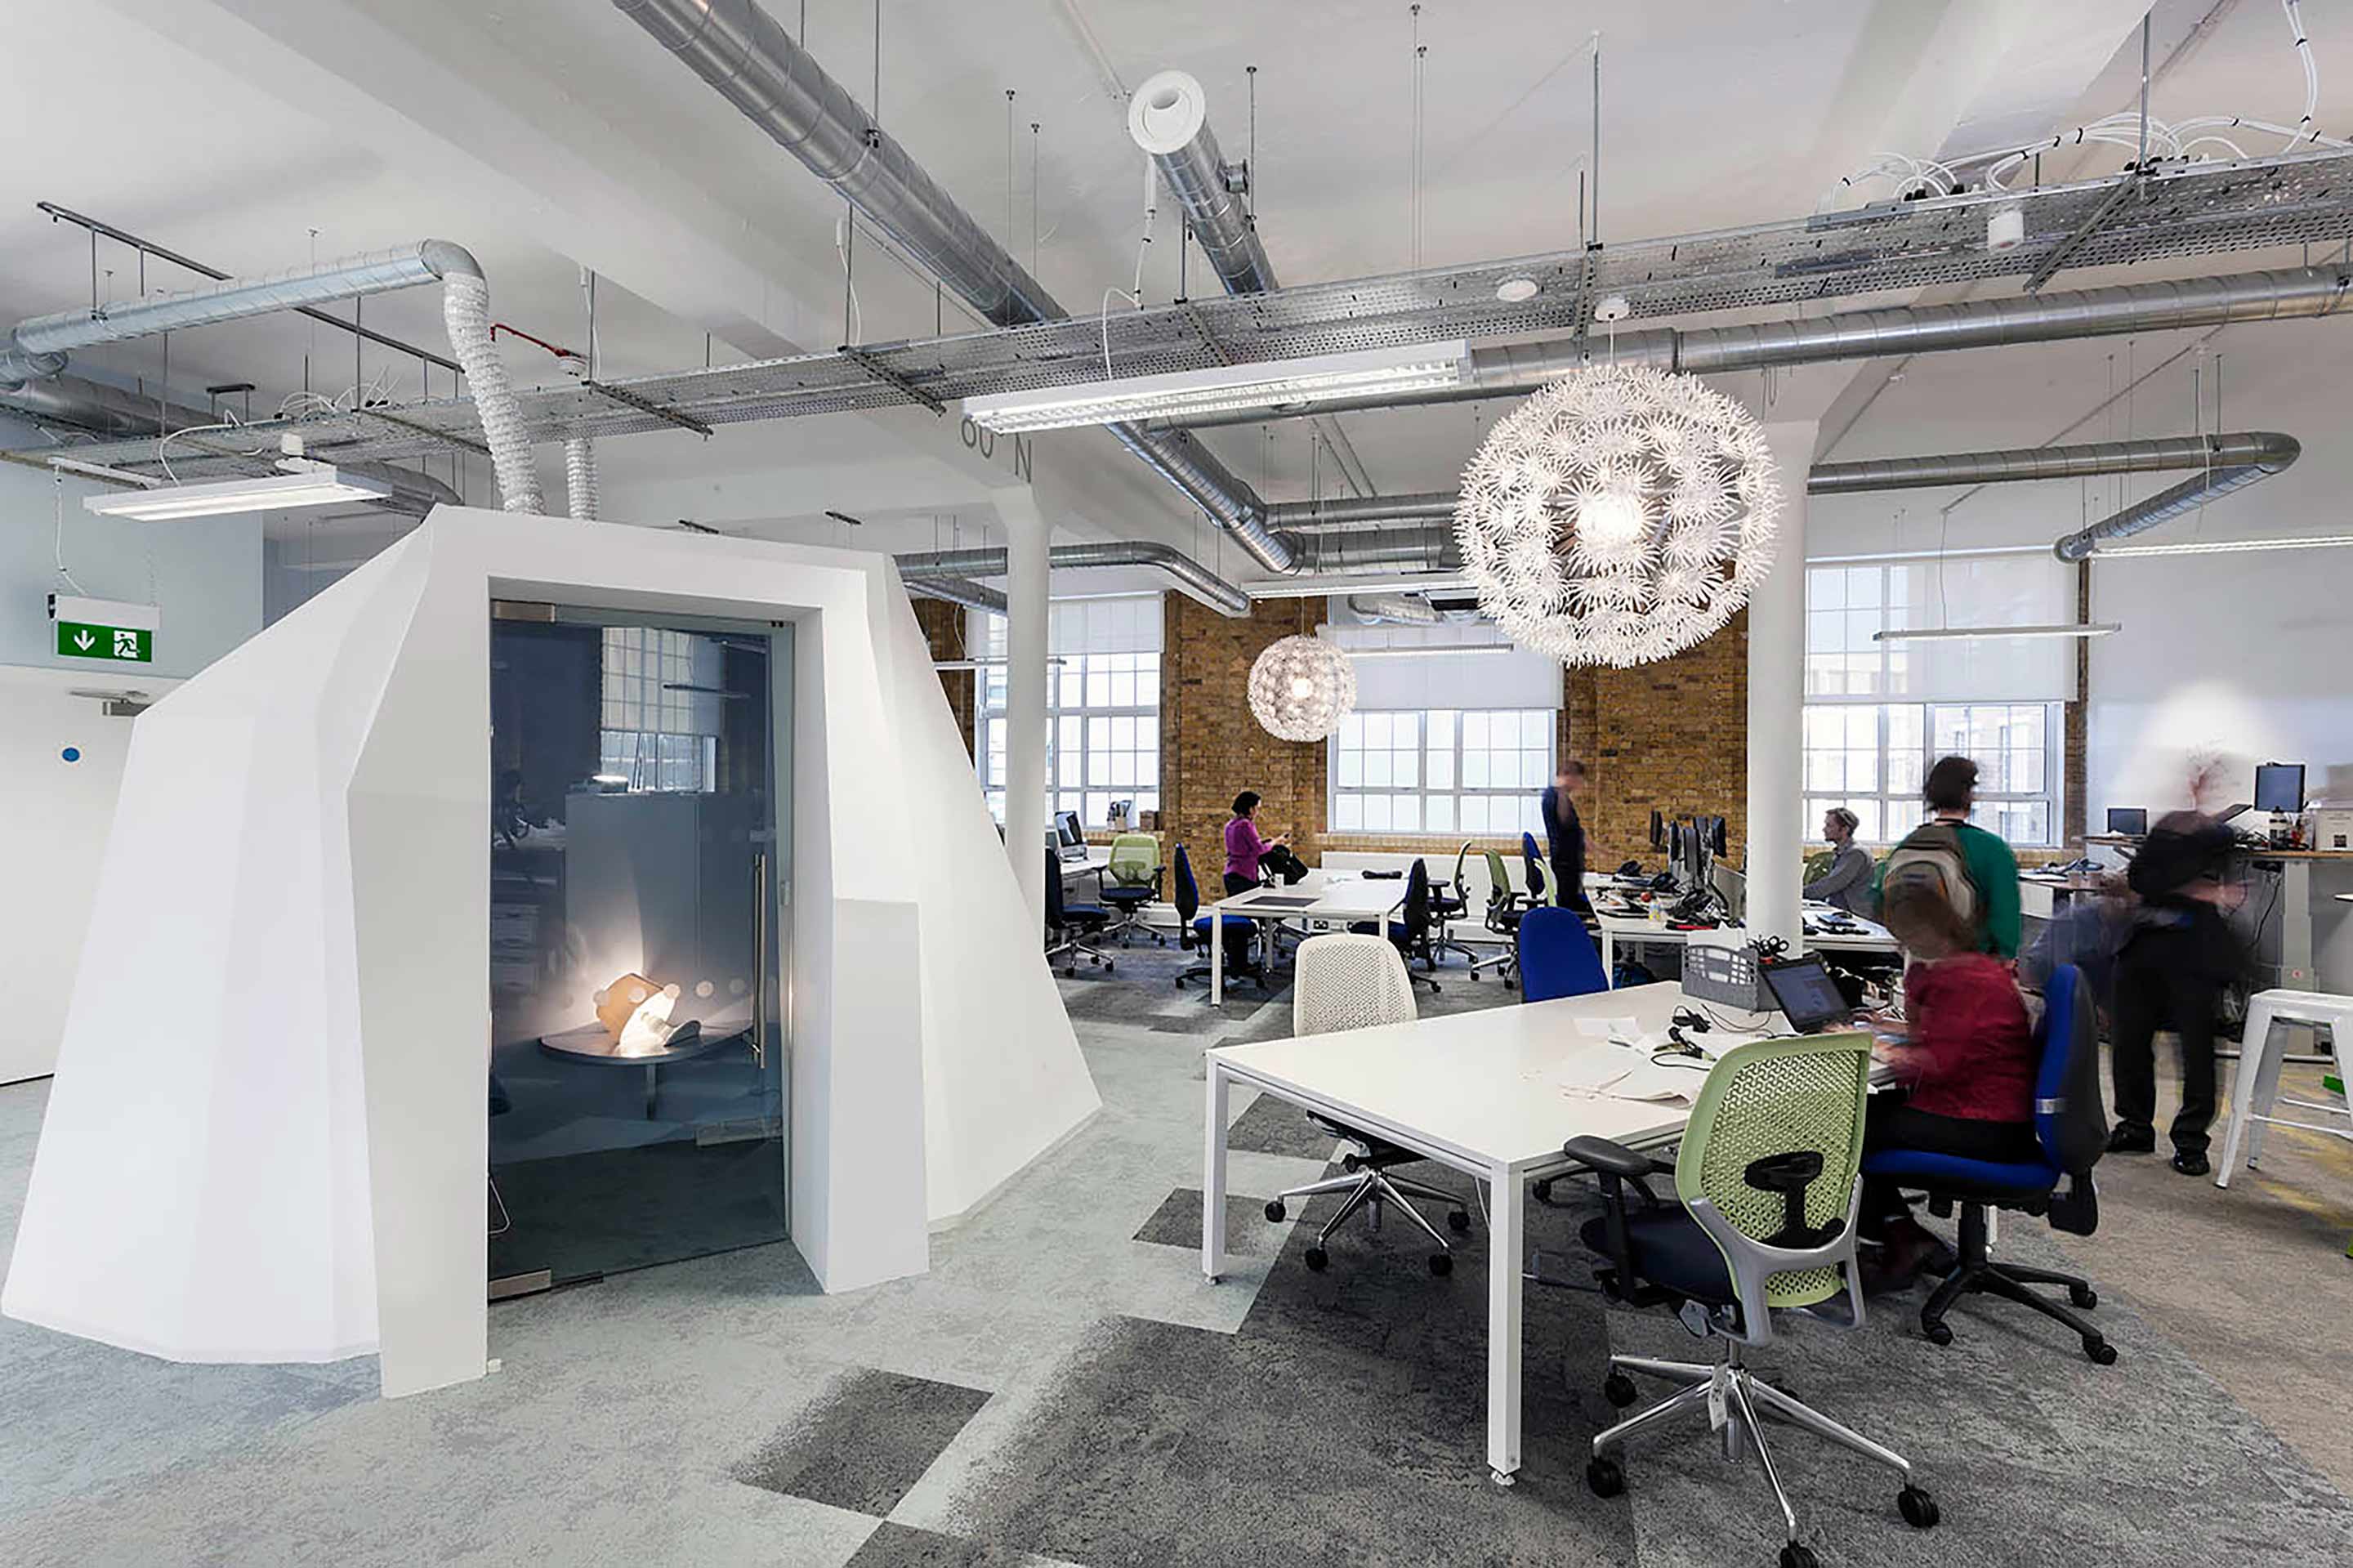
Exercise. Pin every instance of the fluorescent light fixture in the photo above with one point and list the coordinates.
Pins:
(608, 778)
(2224, 546)
(982, 663)
(316, 486)
(1281, 382)
(1935, 633)
(1326, 586)
(1405, 651)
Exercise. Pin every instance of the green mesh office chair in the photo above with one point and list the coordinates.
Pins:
(1767, 1179)
(1131, 880)
(1504, 912)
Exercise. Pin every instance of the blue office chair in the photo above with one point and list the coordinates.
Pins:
(1557, 956)
(2067, 1115)
(1538, 893)
(1068, 925)
(1193, 927)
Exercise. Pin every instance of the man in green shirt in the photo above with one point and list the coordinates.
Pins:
(1951, 794)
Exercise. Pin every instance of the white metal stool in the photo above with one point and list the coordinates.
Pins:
(2254, 1087)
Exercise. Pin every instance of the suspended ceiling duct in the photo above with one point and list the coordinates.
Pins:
(98, 408)
(919, 571)
(2187, 496)
(37, 347)
(743, 53)
(1509, 369)
(2239, 448)
(1168, 117)
(957, 591)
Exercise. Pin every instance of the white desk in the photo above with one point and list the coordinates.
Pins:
(1473, 1091)
(1324, 896)
(1870, 936)
(1098, 859)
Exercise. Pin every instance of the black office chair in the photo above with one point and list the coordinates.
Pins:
(1410, 934)
(1068, 926)
(1537, 887)
(1449, 903)
(1193, 929)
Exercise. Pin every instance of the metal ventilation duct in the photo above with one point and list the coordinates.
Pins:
(919, 571)
(743, 53)
(1490, 372)
(1394, 609)
(1946, 469)
(2278, 452)
(96, 407)
(957, 591)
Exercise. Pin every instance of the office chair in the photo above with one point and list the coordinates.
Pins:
(1556, 956)
(1503, 916)
(2070, 1040)
(1539, 891)
(1193, 929)
(1360, 982)
(1068, 926)
(1767, 1189)
(1450, 903)
(1410, 934)
(1130, 881)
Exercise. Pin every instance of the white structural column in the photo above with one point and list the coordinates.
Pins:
(1777, 695)
(1027, 552)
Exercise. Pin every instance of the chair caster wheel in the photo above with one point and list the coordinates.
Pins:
(1459, 1223)
(1109, 966)
(1442, 1264)
(1606, 1476)
(1619, 1389)
(1351, 1163)
(1937, 1333)
(1918, 1509)
(2102, 1354)
(2083, 1298)
(1317, 1258)
(1795, 1555)
(1543, 1189)
(1511, 985)
(1275, 1211)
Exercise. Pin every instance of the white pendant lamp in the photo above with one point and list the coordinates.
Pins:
(1302, 687)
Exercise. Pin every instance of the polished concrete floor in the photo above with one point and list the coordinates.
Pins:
(1064, 1388)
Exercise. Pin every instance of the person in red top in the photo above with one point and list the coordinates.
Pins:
(1966, 1072)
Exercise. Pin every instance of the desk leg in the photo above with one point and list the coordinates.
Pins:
(1213, 1174)
(2295, 951)
(1506, 1246)
(1217, 958)
(1610, 954)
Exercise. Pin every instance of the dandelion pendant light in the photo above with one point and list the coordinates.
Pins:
(1302, 687)
(1618, 515)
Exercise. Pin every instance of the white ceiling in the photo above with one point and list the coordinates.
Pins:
(545, 135)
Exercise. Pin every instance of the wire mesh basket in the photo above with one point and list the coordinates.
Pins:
(1728, 975)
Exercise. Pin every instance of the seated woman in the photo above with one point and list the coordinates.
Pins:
(1966, 1072)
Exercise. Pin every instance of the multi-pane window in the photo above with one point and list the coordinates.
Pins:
(1103, 708)
(661, 729)
(1445, 772)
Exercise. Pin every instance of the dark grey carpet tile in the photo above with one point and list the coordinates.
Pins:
(1177, 1222)
(902, 1546)
(1273, 1125)
(1199, 1021)
(869, 1441)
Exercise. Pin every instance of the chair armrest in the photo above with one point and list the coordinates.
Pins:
(1615, 1159)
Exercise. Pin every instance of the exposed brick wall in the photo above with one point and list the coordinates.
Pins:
(942, 625)
(1671, 735)
(1212, 748)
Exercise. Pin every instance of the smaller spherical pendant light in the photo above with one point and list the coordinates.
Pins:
(1302, 687)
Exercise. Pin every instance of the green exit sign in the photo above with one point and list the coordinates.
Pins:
(131, 645)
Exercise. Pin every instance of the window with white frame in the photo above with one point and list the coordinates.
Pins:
(1997, 701)
(1103, 707)
(1441, 772)
(661, 729)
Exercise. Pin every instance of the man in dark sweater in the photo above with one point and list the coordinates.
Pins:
(1565, 836)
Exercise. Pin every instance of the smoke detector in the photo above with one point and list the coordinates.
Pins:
(1612, 307)
(1516, 290)
(2006, 227)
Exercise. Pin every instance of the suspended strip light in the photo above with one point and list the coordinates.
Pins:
(1281, 383)
(1943, 633)
(319, 485)
(1302, 687)
(1408, 651)
(2222, 546)
(1619, 515)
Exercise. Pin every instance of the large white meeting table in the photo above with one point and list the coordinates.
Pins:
(1331, 897)
(1479, 1092)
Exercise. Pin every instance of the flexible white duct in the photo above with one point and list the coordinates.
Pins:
(580, 477)
(465, 312)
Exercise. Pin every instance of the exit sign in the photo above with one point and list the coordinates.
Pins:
(133, 644)
(111, 630)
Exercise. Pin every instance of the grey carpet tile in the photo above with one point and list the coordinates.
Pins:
(902, 1546)
(867, 1443)
(1270, 1125)
(1177, 1222)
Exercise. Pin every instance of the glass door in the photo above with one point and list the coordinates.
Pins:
(637, 1087)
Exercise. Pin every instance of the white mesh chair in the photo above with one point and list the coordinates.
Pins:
(1341, 982)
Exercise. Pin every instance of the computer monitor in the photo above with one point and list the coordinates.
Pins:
(1712, 830)
(1675, 848)
(1068, 831)
(1731, 887)
(1692, 861)
(2279, 786)
(1658, 830)
(2130, 822)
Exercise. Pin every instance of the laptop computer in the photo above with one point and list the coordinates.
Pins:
(1807, 995)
